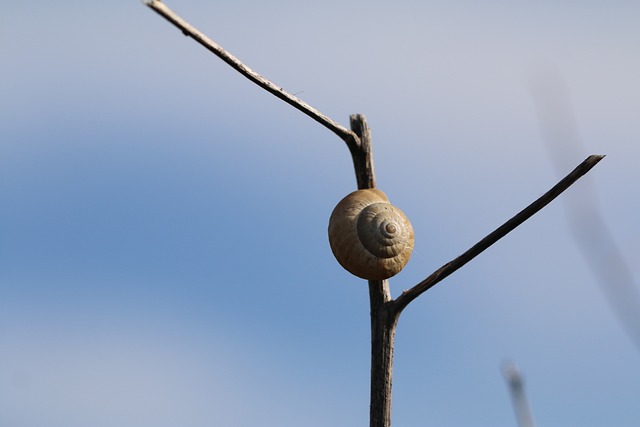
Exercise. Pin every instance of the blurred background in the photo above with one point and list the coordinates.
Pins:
(163, 249)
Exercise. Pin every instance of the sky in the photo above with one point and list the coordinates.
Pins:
(163, 249)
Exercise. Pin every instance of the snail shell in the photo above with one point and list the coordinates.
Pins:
(369, 237)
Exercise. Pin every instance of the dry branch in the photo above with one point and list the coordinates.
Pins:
(407, 296)
(345, 134)
(385, 311)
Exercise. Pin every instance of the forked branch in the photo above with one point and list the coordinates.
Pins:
(407, 296)
(349, 137)
(384, 311)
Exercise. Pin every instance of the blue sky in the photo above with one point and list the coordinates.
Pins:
(163, 248)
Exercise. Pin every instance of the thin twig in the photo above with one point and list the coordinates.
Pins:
(409, 295)
(349, 137)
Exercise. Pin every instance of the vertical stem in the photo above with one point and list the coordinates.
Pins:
(383, 331)
(383, 317)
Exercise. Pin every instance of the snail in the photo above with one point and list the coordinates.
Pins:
(369, 237)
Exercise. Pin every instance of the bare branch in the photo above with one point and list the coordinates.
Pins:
(363, 156)
(349, 137)
(409, 295)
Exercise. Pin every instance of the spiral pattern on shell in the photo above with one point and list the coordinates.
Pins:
(369, 237)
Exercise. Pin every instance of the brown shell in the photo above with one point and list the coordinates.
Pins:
(369, 237)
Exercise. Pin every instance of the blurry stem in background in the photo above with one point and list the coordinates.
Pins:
(385, 311)
(598, 246)
(521, 406)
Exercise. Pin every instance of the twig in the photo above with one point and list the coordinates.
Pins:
(409, 295)
(349, 137)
